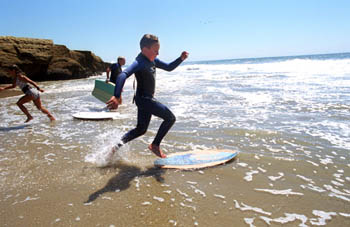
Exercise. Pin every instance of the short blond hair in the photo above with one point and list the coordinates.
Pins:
(148, 40)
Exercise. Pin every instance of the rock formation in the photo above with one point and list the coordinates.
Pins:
(42, 60)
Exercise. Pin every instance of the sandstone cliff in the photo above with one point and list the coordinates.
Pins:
(41, 60)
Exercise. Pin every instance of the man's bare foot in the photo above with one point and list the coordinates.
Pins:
(116, 148)
(52, 118)
(156, 150)
(29, 119)
(113, 151)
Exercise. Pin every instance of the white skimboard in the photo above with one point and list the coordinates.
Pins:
(95, 115)
(196, 159)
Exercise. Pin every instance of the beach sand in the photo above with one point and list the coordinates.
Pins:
(60, 190)
(10, 92)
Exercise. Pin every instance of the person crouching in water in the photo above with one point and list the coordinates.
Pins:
(31, 94)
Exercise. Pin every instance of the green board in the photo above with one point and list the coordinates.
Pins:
(103, 91)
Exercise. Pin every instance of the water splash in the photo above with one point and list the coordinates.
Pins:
(101, 154)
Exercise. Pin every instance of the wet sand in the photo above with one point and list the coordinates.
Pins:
(56, 190)
(9, 92)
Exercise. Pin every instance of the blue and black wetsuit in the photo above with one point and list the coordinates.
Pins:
(147, 105)
(116, 69)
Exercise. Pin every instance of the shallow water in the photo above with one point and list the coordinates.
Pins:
(288, 117)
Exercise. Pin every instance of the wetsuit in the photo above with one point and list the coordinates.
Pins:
(116, 69)
(147, 105)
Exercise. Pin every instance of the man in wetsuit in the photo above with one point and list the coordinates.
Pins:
(144, 68)
(115, 69)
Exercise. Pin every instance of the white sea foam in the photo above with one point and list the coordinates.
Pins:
(326, 161)
(288, 218)
(182, 193)
(305, 179)
(219, 196)
(245, 207)
(345, 215)
(262, 170)
(242, 164)
(337, 183)
(313, 163)
(279, 192)
(339, 196)
(313, 188)
(323, 217)
(336, 191)
(249, 221)
(159, 199)
(196, 190)
(29, 199)
(249, 175)
(274, 178)
(188, 206)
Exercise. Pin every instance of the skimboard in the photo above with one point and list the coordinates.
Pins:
(95, 115)
(195, 159)
(103, 91)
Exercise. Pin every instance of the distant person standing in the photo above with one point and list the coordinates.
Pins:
(115, 69)
(31, 94)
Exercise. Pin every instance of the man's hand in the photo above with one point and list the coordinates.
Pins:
(184, 55)
(113, 103)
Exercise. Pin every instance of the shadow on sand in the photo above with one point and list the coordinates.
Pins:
(122, 180)
(13, 128)
(127, 173)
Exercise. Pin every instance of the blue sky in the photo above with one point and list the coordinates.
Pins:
(208, 30)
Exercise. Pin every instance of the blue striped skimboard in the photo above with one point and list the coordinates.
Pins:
(196, 159)
(103, 91)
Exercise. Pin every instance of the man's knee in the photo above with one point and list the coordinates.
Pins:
(172, 119)
(141, 129)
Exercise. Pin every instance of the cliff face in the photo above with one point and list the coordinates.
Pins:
(41, 60)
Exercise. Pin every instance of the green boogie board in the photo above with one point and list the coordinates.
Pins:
(103, 91)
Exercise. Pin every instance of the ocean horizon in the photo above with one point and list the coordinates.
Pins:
(339, 55)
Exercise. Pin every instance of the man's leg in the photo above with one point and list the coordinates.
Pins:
(160, 110)
(143, 119)
(169, 119)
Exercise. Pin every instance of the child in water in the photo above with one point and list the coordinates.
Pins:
(31, 94)
(144, 68)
